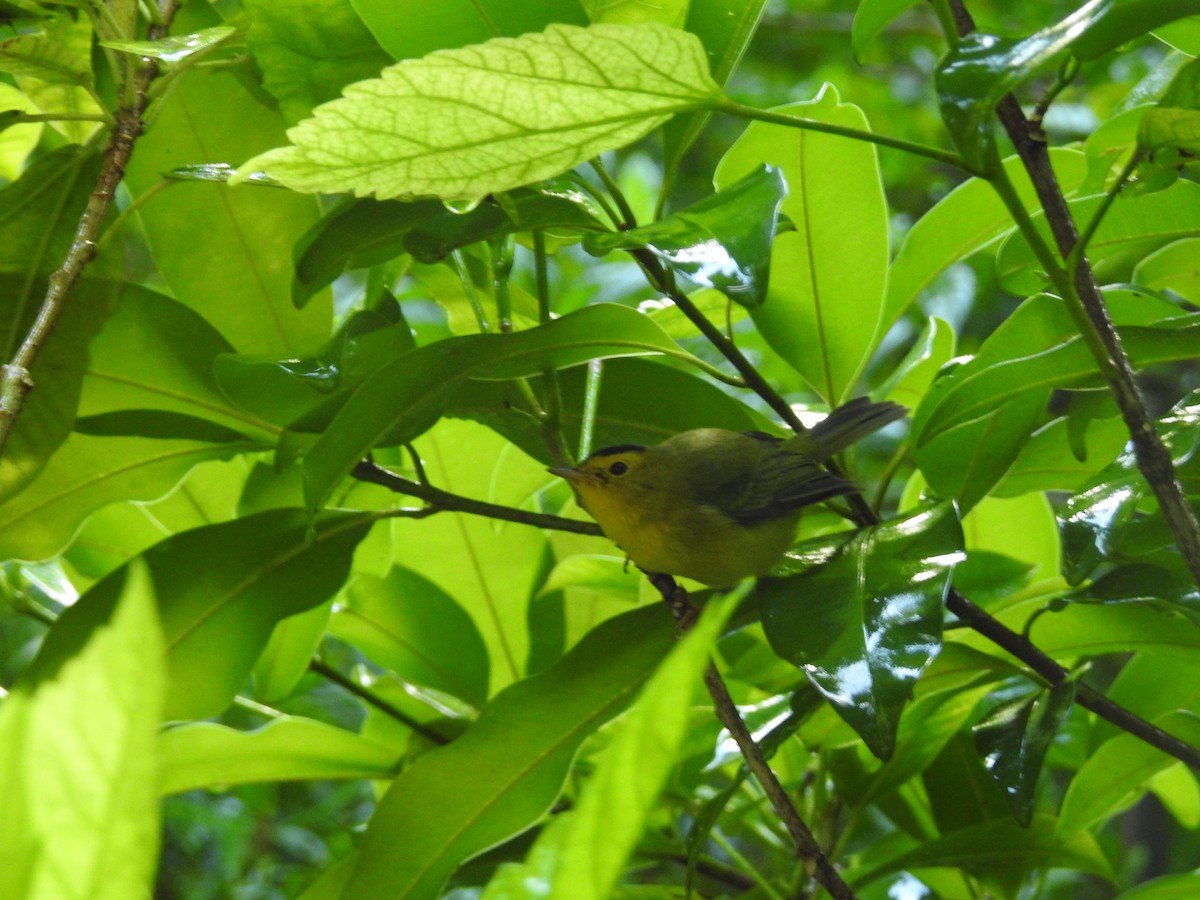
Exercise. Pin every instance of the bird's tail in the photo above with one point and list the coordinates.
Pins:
(852, 422)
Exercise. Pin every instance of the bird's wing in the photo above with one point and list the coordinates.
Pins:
(783, 483)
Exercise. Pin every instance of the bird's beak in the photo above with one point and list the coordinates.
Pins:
(573, 475)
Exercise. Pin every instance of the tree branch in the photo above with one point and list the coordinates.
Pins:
(444, 501)
(16, 380)
(1096, 326)
(806, 844)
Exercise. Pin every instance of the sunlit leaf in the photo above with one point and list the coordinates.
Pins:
(79, 788)
(863, 614)
(461, 124)
(871, 17)
(177, 47)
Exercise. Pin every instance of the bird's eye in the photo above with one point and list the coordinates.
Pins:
(618, 468)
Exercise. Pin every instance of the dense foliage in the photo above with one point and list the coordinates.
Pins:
(300, 299)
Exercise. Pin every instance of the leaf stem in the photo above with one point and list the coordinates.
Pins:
(1089, 230)
(947, 157)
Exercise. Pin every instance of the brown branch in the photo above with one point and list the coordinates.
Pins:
(16, 380)
(444, 501)
(805, 843)
(1153, 458)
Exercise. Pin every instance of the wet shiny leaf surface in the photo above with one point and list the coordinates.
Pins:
(722, 242)
(863, 614)
(1013, 741)
(1105, 521)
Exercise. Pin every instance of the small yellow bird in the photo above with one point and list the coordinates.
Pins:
(715, 505)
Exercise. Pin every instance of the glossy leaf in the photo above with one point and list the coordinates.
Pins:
(79, 789)
(1013, 741)
(965, 221)
(722, 242)
(631, 12)
(406, 396)
(204, 754)
(1099, 518)
(821, 315)
(583, 858)
(246, 296)
(411, 29)
(541, 103)
(87, 474)
(408, 625)
(220, 590)
(982, 68)
(863, 614)
(1162, 216)
(1165, 887)
(309, 51)
(930, 352)
(1116, 773)
(1117, 23)
(176, 48)
(556, 206)
(505, 772)
(1050, 462)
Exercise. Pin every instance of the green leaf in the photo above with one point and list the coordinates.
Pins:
(220, 591)
(222, 251)
(51, 89)
(39, 214)
(1050, 462)
(725, 28)
(1013, 741)
(641, 402)
(405, 397)
(1172, 268)
(154, 353)
(411, 627)
(505, 772)
(1162, 216)
(998, 847)
(540, 105)
(16, 141)
(48, 60)
(1098, 521)
(863, 614)
(871, 17)
(1165, 887)
(178, 47)
(632, 12)
(292, 645)
(973, 77)
(87, 474)
(965, 221)
(309, 50)
(930, 352)
(722, 242)
(820, 314)
(80, 789)
(583, 857)
(1112, 24)
(289, 748)
(1117, 773)
(410, 28)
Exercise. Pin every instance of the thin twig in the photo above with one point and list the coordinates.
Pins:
(17, 380)
(444, 501)
(349, 684)
(806, 845)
